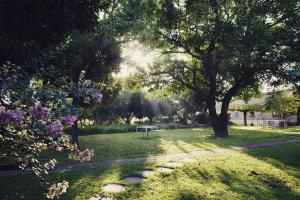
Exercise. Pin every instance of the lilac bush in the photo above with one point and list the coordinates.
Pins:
(40, 112)
(97, 97)
(86, 83)
(12, 117)
(32, 120)
(55, 128)
(69, 120)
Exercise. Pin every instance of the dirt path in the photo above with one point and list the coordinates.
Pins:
(166, 158)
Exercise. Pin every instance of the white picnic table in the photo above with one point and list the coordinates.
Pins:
(145, 129)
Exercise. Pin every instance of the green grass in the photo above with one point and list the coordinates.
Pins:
(127, 145)
(270, 173)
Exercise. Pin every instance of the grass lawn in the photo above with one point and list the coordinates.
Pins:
(270, 173)
(126, 145)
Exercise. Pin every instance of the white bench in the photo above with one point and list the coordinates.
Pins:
(145, 129)
(271, 123)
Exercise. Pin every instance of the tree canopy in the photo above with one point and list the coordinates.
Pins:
(236, 42)
(283, 104)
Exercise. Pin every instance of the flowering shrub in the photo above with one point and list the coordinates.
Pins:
(97, 97)
(55, 128)
(40, 112)
(86, 83)
(12, 117)
(57, 189)
(32, 119)
(69, 120)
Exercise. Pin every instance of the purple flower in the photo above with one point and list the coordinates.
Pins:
(55, 128)
(69, 120)
(97, 97)
(41, 112)
(86, 83)
(12, 117)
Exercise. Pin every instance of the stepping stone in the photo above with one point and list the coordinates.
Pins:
(114, 188)
(174, 164)
(146, 172)
(164, 169)
(134, 179)
(97, 197)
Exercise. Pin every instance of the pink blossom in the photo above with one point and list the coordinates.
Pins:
(41, 112)
(69, 120)
(97, 97)
(55, 128)
(86, 83)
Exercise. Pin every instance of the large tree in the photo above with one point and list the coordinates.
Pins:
(236, 42)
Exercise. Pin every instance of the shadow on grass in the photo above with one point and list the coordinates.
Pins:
(130, 145)
(284, 158)
(85, 183)
(232, 185)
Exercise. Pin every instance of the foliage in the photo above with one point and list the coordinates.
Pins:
(247, 93)
(29, 26)
(178, 76)
(32, 119)
(283, 104)
(248, 107)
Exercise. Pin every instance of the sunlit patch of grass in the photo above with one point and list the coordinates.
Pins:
(128, 145)
(270, 173)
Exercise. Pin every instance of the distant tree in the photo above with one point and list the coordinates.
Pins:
(136, 102)
(148, 109)
(283, 104)
(122, 107)
(246, 95)
(105, 112)
(246, 108)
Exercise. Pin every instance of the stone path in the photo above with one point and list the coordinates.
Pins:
(165, 158)
(114, 188)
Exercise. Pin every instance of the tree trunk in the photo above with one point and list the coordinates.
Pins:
(219, 123)
(245, 117)
(150, 120)
(127, 120)
(74, 134)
